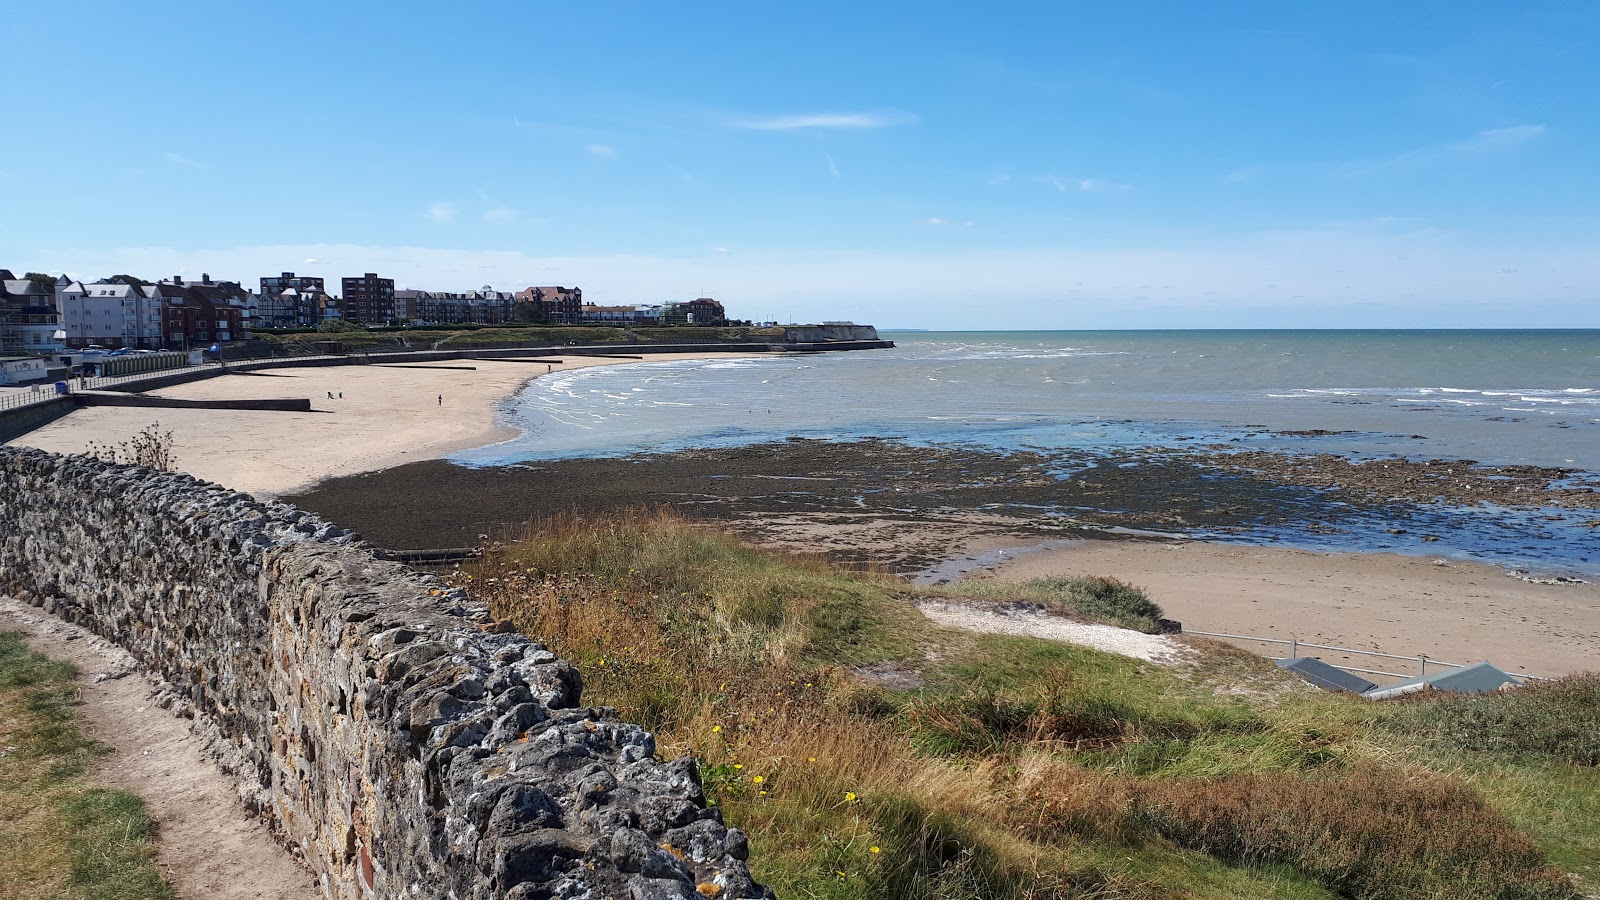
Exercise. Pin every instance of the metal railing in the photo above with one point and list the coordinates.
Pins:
(1421, 659)
(17, 399)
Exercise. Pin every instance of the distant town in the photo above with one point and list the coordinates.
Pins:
(41, 313)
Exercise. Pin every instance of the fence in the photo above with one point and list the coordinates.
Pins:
(15, 399)
(1421, 659)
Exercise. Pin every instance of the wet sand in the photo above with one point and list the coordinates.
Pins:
(905, 509)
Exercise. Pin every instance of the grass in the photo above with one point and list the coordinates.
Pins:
(61, 837)
(450, 337)
(1557, 720)
(1102, 599)
(870, 753)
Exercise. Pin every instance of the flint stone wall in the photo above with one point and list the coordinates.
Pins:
(370, 714)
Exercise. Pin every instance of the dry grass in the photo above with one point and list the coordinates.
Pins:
(1020, 769)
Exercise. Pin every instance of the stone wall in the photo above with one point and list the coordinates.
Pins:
(372, 716)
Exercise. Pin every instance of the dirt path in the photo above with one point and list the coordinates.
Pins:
(206, 843)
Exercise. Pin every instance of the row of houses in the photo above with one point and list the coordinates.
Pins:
(37, 314)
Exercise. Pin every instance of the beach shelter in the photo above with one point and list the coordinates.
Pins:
(1329, 678)
(1478, 678)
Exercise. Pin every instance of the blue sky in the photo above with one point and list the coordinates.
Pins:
(1160, 164)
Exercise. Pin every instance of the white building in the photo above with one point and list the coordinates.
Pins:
(109, 314)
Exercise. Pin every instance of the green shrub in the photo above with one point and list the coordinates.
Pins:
(1373, 834)
(1094, 597)
(1558, 719)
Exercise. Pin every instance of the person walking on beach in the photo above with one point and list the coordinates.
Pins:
(441, 399)
(330, 395)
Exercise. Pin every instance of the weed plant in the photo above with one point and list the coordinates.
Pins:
(151, 448)
(872, 754)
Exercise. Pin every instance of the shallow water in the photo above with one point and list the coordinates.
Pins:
(1499, 397)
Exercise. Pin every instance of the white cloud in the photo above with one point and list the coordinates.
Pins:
(441, 212)
(720, 250)
(833, 167)
(1493, 142)
(938, 222)
(310, 260)
(1334, 274)
(828, 120)
(602, 151)
(500, 214)
(1098, 185)
(179, 159)
(1084, 185)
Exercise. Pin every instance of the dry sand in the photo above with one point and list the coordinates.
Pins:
(388, 416)
(1451, 610)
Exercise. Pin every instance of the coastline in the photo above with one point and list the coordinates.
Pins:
(387, 416)
(373, 461)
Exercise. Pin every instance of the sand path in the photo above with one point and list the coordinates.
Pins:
(1451, 610)
(387, 416)
(206, 844)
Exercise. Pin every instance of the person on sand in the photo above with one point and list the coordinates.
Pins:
(441, 399)
(330, 395)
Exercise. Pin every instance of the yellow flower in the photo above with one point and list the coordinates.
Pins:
(873, 849)
(849, 796)
(716, 729)
(758, 779)
(763, 793)
(812, 759)
(738, 765)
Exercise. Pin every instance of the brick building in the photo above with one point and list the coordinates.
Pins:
(554, 304)
(368, 300)
(281, 283)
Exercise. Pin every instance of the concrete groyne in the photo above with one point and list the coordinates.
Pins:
(373, 717)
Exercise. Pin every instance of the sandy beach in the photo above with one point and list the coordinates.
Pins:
(1456, 611)
(368, 460)
(380, 416)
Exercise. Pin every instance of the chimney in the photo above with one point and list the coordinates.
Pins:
(205, 277)
(177, 280)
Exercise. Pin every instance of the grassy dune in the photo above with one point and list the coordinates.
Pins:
(872, 754)
(467, 337)
(61, 837)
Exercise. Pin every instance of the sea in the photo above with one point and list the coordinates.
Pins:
(1529, 397)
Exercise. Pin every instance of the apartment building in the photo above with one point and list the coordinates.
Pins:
(553, 304)
(289, 280)
(368, 300)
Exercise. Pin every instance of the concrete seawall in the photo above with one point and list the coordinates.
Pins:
(19, 420)
(371, 716)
